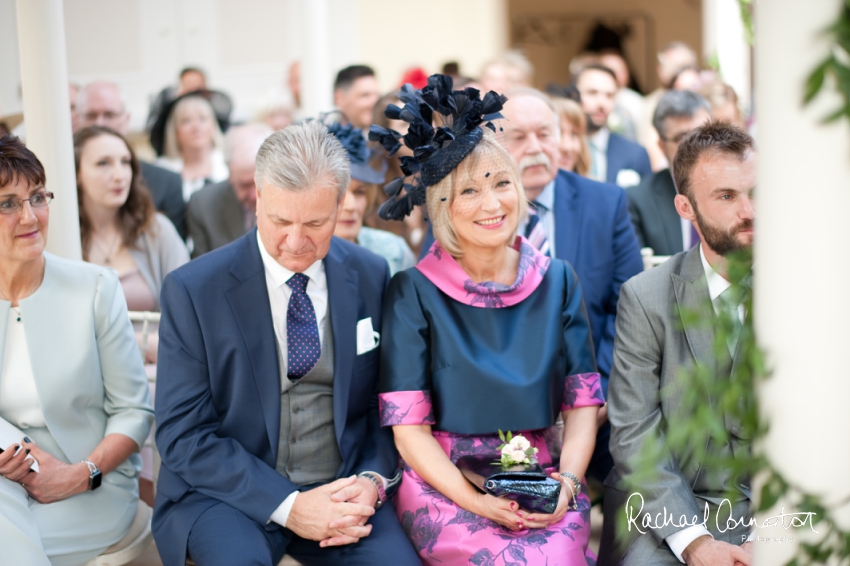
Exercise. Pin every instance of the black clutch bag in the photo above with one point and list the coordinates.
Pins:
(529, 486)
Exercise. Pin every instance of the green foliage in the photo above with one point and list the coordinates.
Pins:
(709, 399)
(746, 7)
(835, 68)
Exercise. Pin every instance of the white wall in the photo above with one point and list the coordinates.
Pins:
(246, 46)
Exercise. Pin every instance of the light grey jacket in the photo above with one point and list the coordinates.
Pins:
(159, 253)
(645, 401)
(87, 368)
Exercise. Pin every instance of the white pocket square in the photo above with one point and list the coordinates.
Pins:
(628, 178)
(367, 338)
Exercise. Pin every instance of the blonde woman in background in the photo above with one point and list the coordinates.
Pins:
(574, 149)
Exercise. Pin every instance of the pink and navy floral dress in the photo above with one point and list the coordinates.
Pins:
(469, 359)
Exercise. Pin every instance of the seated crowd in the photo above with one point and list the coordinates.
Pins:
(321, 394)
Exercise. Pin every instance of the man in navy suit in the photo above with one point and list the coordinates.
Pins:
(586, 223)
(266, 393)
(615, 159)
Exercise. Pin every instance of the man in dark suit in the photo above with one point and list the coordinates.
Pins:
(615, 159)
(651, 204)
(220, 213)
(267, 377)
(586, 223)
(715, 172)
(100, 103)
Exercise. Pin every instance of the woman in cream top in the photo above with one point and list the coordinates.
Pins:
(80, 398)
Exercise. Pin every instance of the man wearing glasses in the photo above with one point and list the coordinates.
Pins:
(657, 224)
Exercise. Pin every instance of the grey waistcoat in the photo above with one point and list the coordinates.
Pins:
(307, 447)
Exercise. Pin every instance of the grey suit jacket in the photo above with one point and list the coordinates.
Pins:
(654, 216)
(215, 218)
(645, 400)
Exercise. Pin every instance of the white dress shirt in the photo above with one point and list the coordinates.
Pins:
(599, 150)
(279, 294)
(680, 540)
(19, 402)
(546, 199)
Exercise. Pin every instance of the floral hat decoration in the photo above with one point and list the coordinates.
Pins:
(437, 150)
(355, 145)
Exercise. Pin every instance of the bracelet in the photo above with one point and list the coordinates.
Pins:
(574, 479)
(574, 505)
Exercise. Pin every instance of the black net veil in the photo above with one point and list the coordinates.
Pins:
(458, 160)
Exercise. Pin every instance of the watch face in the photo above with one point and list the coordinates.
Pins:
(95, 479)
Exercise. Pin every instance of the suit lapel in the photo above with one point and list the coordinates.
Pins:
(249, 300)
(664, 195)
(343, 298)
(691, 289)
(567, 218)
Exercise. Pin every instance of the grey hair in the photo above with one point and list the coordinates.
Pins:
(302, 156)
(83, 95)
(539, 94)
(677, 104)
(249, 137)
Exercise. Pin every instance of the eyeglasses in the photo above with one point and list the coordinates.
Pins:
(13, 205)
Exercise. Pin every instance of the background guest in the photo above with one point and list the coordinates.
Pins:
(101, 103)
(220, 213)
(615, 159)
(192, 143)
(629, 102)
(574, 154)
(276, 110)
(511, 70)
(651, 204)
(355, 94)
(72, 382)
(724, 102)
(192, 79)
(359, 196)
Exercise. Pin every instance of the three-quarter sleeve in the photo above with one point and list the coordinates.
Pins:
(582, 386)
(127, 399)
(405, 383)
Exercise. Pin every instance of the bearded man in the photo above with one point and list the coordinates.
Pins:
(715, 174)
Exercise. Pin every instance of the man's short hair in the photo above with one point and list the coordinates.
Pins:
(677, 104)
(186, 70)
(711, 138)
(82, 100)
(539, 94)
(346, 77)
(248, 136)
(596, 67)
(302, 156)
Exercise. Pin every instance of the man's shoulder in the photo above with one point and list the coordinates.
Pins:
(618, 140)
(358, 257)
(648, 185)
(207, 270)
(159, 175)
(596, 192)
(657, 281)
(211, 195)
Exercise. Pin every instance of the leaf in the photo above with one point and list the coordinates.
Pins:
(502, 436)
(518, 553)
(815, 81)
(835, 116)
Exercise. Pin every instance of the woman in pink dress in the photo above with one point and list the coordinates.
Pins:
(485, 334)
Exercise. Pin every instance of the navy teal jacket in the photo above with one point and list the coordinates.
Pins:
(218, 386)
(593, 232)
(625, 154)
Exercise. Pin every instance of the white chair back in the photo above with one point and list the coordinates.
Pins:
(650, 260)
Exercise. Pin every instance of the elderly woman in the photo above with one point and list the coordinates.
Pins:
(484, 335)
(360, 194)
(574, 148)
(191, 142)
(81, 402)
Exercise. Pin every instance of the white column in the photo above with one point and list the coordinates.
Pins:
(44, 79)
(316, 74)
(802, 262)
(723, 37)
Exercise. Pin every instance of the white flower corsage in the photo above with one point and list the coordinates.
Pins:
(516, 451)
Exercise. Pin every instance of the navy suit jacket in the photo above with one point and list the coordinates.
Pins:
(166, 188)
(594, 234)
(625, 154)
(218, 386)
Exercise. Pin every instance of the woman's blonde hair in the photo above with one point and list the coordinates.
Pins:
(570, 111)
(172, 147)
(441, 196)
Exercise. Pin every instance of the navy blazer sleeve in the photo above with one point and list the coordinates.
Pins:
(627, 264)
(187, 421)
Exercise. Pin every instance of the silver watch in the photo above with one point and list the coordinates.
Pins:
(379, 485)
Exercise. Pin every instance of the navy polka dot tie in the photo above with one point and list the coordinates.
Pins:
(302, 333)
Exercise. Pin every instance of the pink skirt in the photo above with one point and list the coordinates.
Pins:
(443, 533)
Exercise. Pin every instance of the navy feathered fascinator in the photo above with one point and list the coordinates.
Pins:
(436, 150)
(355, 145)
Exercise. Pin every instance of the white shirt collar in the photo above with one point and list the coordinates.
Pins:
(599, 140)
(547, 195)
(716, 283)
(279, 275)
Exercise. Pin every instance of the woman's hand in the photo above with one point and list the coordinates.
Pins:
(14, 467)
(542, 520)
(55, 479)
(500, 510)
